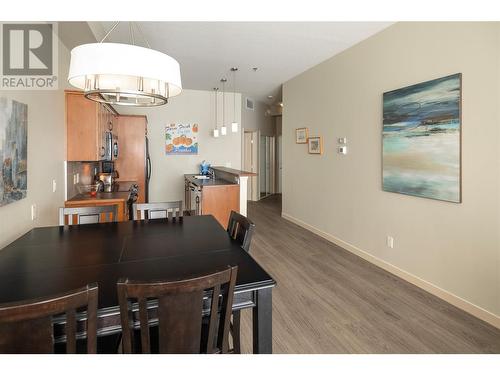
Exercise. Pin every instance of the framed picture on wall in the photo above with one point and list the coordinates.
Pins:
(301, 135)
(315, 145)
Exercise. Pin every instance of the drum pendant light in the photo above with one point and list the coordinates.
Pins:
(234, 124)
(124, 74)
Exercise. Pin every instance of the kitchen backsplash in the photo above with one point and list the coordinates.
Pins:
(85, 172)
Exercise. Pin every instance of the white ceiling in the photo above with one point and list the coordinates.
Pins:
(206, 51)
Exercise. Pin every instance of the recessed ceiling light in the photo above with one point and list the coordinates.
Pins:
(269, 96)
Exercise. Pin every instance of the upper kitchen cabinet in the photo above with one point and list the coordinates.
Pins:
(86, 125)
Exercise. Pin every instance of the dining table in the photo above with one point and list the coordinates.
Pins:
(56, 259)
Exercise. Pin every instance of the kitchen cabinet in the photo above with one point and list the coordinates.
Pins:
(131, 163)
(86, 125)
(214, 197)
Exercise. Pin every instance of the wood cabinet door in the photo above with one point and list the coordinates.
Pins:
(219, 201)
(131, 161)
(82, 119)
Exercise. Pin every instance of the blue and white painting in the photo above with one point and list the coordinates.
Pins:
(421, 139)
(13, 151)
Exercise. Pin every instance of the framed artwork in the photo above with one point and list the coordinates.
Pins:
(181, 139)
(315, 145)
(301, 135)
(421, 139)
(13, 151)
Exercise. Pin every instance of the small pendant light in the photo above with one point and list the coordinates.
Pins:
(216, 129)
(223, 129)
(234, 124)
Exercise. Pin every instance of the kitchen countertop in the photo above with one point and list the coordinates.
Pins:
(208, 182)
(232, 171)
(115, 196)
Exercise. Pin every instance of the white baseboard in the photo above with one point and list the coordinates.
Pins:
(451, 298)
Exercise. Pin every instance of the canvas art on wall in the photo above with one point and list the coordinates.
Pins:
(13, 151)
(422, 139)
(181, 139)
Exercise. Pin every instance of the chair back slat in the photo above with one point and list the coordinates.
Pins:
(27, 326)
(160, 210)
(179, 313)
(87, 215)
(241, 229)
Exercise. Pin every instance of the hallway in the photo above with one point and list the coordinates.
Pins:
(330, 301)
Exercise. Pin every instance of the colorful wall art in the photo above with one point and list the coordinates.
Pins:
(181, 139)
(422, 139)
(13, 151)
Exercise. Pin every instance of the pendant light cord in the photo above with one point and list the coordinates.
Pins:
(110, 31)
(215, 91)
(131, 31)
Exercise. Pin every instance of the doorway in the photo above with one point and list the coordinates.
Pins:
(266, 166)
(250, 162)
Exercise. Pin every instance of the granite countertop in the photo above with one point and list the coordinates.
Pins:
(100, 196)
(232, 171)
(207, 182)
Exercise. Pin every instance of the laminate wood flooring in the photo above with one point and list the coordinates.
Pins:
(329, 300)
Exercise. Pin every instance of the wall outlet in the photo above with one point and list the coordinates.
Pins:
(228, 165)
(33, 211)
(54, 186)
(342, 150)
(390, 242)
(76, 178)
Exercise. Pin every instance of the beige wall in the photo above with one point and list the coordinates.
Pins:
(192, 106)
(46, 155)
(455, 247)
(257, 119)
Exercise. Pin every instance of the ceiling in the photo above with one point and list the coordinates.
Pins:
(206, 51)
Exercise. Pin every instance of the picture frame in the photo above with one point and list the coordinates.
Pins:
(315, 145)
(301, 135)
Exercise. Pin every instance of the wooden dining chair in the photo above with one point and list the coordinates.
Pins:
(179, 314)
(87, 215)
(241, 229)
(27, 327)
(160, 210)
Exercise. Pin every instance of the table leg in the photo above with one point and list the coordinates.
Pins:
(263, 322)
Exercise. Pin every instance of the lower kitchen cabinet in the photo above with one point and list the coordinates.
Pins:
(219, 201)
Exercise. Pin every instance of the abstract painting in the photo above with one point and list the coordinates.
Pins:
(181, 139)
(422, 139)
(13, 151)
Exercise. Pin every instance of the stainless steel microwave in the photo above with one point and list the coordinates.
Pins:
(110, 147)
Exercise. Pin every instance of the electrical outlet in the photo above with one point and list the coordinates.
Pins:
(54, 186)
(342, 150)
(228, 165)
(390, 242)
(33, 211)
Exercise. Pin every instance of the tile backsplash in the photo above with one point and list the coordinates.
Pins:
(86, 172)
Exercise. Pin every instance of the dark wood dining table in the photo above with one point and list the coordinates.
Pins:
(51, 260)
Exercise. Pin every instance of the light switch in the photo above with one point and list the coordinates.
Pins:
(54, 186)
(342, 141)
(33, 211)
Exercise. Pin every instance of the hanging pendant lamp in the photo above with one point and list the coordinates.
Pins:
(223, 128)
(124, 74)
(234, 124)
(216, 129)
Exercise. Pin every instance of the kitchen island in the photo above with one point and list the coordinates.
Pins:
(226, 191)
(102, 199)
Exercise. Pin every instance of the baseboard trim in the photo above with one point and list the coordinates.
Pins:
(451, 298)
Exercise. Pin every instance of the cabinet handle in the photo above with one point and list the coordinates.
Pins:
(103, 152)
(110, 125)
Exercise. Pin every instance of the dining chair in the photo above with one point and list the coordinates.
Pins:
(27, 326)
(87, 215)
(160, 210)
(241, 229)
(177, 321)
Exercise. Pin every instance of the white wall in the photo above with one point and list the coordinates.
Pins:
(454, 247)
(191, 106)
(257, 119)
(46, 155)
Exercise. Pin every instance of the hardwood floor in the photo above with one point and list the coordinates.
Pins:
(331, 301)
